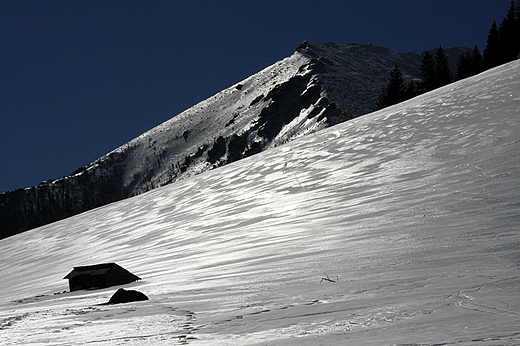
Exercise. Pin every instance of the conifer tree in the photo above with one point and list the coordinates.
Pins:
(443, 74)
(492, 51)
(469, 64)
(508, 41)
(395, 90)
(476, 61)
(516, 31)
(427, 72)
(464, 68)
(517, 27)
(412, 90)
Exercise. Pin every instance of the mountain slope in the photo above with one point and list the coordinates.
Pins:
(316, 87)
(412, 211)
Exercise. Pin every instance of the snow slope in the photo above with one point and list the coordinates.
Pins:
(316, 87)
(413, 211)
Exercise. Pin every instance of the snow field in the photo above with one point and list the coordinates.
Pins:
(412, 210)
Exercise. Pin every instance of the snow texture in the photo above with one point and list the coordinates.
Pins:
(400, 227)
(318, 86)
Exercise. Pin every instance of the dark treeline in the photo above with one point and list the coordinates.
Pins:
(502, 46)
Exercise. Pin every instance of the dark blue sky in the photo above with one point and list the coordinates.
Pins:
(80, 78)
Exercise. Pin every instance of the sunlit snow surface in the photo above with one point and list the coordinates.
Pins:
(413, 211)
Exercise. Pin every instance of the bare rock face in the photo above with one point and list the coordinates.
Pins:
(126, 296)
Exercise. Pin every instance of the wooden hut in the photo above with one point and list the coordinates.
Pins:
(99, 276)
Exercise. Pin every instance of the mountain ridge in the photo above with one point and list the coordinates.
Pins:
(316, 87)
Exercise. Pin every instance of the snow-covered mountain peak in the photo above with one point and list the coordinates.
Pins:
(316, 87)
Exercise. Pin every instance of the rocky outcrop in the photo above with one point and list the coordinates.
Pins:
(85, 189)
(126, 296)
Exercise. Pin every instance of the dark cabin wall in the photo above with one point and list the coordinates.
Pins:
(86, 281)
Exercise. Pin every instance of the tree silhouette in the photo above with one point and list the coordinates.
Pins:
(412, 89)
(509, 41)
(443, 74)
(464, 66)
(427, 72)
(395, 90)
(476, 61)
(492, 51)
(469, 64)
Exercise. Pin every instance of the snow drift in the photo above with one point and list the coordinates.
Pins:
(412, 211)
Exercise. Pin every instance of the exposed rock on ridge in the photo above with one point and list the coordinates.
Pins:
(316, 87)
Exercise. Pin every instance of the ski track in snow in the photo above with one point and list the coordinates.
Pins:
(413, 211)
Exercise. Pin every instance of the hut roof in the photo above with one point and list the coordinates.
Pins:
(99, 269)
